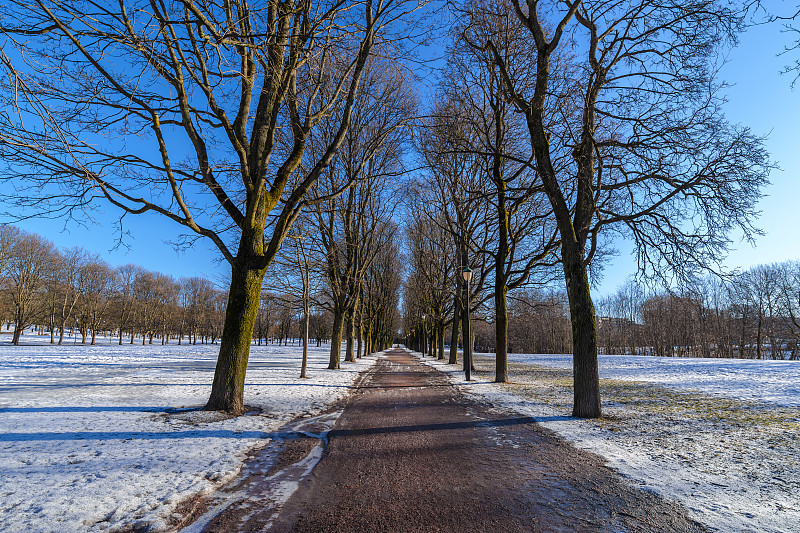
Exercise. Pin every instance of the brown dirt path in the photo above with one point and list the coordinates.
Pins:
(410, 453)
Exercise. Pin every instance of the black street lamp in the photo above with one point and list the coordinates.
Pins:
(467, 275)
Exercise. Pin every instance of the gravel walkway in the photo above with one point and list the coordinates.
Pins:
(409, 453)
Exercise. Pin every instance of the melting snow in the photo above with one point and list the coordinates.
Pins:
(101, 438)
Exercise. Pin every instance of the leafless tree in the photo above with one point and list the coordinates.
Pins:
(450, 195)
(524, 236)
(351, 228)
(430, 280)
(96, 284)
(198, 111)
(8, 237)
(122, 299)
(264, 318)
(539, 322)
(381, 295)
(790, 300)
(27, 272)
(641, 146)
(67, 286)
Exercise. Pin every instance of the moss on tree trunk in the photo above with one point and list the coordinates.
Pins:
(227, 392)
(336, 341)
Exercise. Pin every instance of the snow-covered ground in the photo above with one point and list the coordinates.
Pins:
(106, 437)
(720, 436)
(744, 379)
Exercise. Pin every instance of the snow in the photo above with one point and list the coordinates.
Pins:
(746, 379)
(108, 437)
(717, 435)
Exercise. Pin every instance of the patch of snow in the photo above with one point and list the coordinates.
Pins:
(749, 379)
(106, 437)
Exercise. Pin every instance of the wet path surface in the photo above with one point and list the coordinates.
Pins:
(410, 453)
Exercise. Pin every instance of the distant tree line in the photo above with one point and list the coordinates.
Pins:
(753, 315)
(64, 291)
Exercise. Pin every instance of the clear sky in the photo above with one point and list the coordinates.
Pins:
(761, 98)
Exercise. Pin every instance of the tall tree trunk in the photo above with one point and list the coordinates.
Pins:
(501, 333)
(336, 340)
(304, 364)
(440, 336)
(758, 338)
(227, 391)
(586, 379)
(455, 329)
(500, 291)
(349, 354)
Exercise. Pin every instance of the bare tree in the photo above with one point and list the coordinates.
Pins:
(451, 195)
(123, 299)
(96, 286)
(350, 228)
(641, 146)
(790, 300)
(8, 237)
(381, 295)
(27, 271)
(68, 286)
(191, 110)
(524, 235)
(430, 280)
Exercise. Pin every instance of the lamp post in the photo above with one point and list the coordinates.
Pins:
(467, 275)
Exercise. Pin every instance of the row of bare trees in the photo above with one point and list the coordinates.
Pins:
(223, 117)
(755, 314)
(71, 289)
(570, 121)
(561, 125)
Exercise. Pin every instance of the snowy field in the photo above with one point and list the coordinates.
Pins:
(107, 437)
(720, 436)
(776, 382)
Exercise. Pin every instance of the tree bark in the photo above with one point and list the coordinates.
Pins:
(455, 330)
(501, 334)
(586, 379)
(227, 391)
(336, 341)
(304, 364)
(349, 354)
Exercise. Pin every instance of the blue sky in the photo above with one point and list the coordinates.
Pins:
(760, 98)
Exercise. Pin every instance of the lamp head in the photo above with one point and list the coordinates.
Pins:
(467, 274)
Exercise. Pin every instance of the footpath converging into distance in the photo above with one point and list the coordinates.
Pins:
(411, 453)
